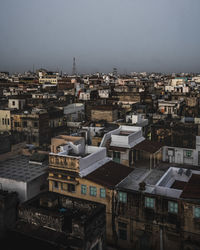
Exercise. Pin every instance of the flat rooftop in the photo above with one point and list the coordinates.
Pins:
(138, 175)
(174, 182)
(19, 169)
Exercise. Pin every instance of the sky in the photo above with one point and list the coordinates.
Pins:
(131, 35)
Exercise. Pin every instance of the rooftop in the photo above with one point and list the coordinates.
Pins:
(138, 175)
(110, 174)
(174, 182)
(149, 146)
(19, 169)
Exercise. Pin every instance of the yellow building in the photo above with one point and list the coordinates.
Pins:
(5, 120)
(86, 174)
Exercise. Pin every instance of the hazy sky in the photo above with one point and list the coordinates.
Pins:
(132, 35)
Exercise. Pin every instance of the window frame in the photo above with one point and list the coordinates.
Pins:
(102, 192)
(188, 153)
(55, 184)
(83, 189)
(122, 197)
(173, 207)
(195, 213)
(122, 230)
(93, 191)
(148, 202)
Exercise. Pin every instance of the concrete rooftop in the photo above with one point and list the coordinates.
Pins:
(19, 169)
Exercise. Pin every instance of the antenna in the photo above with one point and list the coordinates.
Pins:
(114, 71)
(74, 67)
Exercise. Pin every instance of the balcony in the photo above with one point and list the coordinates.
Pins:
(63, 162)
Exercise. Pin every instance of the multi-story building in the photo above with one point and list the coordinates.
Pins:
(53, 221)
(5, 120)
(34, 126)
(17, 102)
(104, 112)
(159, 210)
(85, 172)
(121, 142)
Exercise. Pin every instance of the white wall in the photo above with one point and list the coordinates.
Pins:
(96, 154)
(15, 186)
(179, 157)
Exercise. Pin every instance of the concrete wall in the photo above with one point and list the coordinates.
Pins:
(16, 103)
(96, 154)
(35, 186)
(179, 156)
(15, 186)
(5, 121)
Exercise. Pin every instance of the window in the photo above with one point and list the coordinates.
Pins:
(35, 124)
(93, 191)
(116, 156)
(83, 189)
(8, 121)
(55, 184)
(188, 153)
(71, 188)
(172, 207)
(64, 186)
(197, 212)
(25, 124)
(123, 197)
(122, 230)
(13, 103)
(2, 121)
(149, 202)
(102, 193)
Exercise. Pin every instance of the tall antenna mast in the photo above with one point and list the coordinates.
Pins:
(74, 67)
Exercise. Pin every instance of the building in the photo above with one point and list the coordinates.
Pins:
(108, 113)
(169, 107)
(159, 210)
(27, 178)
(120, 143)
(16, 102)
(5, 120)
(85, 172)
(33, 125)
(178, 155)
(53, 221)
(8, 211)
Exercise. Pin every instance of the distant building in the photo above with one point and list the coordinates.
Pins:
(16, 102)
(104, 112)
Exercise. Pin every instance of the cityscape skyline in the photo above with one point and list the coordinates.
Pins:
(141, 36)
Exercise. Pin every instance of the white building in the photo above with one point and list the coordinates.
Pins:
(25, 178)
(137, 119)
(89, 158)
(104, 93)
(186, 156)
(169, 107)
(16, 103)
